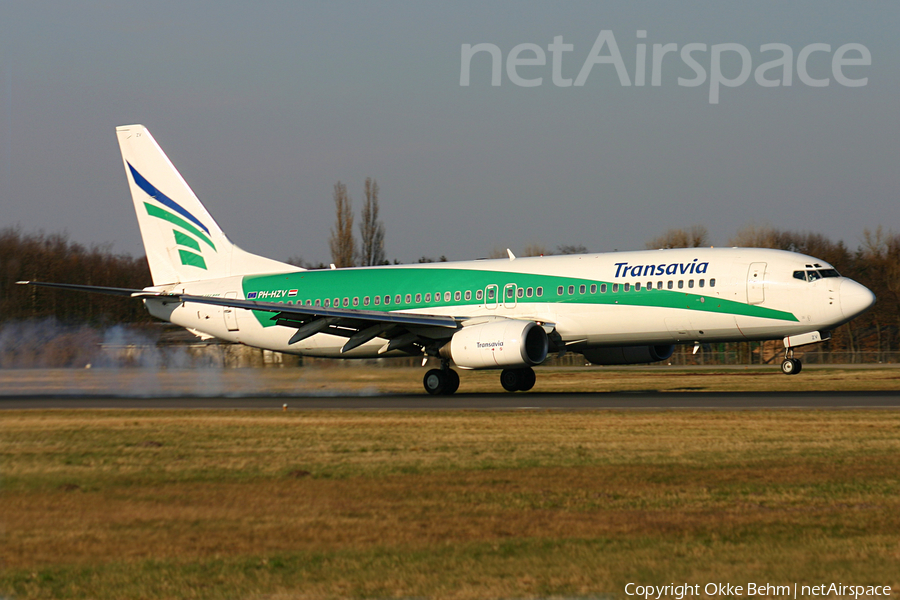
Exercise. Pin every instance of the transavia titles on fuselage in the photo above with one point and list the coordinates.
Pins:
(509, 314)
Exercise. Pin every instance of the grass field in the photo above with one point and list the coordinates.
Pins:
(155, 504)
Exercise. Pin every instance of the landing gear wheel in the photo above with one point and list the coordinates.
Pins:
(509, 379)
(791, 366)
(452, 382)
(527, 379)
(441, 381)
(435, 382)
(517, 380)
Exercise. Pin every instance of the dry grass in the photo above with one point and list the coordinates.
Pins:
(113, 504)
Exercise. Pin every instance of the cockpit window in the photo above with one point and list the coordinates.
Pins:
(813, 275)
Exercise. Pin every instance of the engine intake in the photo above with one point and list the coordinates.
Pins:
(502, 343)
(628, 355)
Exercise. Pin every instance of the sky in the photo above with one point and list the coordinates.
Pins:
(264, 106)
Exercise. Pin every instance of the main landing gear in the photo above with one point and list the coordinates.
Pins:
(517, 380)
(441, 381)
(445, 381)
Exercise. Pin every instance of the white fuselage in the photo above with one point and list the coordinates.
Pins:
(675, 296)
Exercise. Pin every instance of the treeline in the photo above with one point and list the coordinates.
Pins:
(54, 258)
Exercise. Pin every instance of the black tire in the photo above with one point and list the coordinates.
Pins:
(526, 379)
(452, 382)
(435, 382)
(509, 379)
(791, 366)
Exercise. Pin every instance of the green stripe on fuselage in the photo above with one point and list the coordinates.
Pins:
(358, 283)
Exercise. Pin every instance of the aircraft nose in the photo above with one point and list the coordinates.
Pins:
(854, 298)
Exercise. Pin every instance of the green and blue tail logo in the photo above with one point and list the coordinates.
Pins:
(190, 233)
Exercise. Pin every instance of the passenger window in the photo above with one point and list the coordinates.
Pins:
(540, 291)
(593, 288)
(397, 299)
(702, 282)
(409, 298)
(690, 283)
(468, 294)
(571, 289)
(356, 301)
(637, 286)
(337, 303)
(559, 291)
(615, 288)
(327, 302)
(479, 294)
(669, 285)
(428, 297)
(520, 292)
(457, 296)
(418, 298)
(529, 292)
(346, 301)
(712, 283)
(490, 293)
(680, 284)
(582, 289)
(659, 285)
(446, 296)
(649, 285)
(318, 303)
(602, 288)
(627, 287)
(309, 302)
(387, 299)
(377, 300)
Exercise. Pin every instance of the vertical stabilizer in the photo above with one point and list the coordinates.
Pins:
(181, 239)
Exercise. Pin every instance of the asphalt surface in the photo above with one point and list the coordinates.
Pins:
(648, 400)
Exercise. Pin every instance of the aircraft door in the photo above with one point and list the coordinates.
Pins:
(230, 314)
(490, 296)
(756, 276)
(509, 295)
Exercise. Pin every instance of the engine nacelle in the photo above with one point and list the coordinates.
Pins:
(502, 343)
(628, 355)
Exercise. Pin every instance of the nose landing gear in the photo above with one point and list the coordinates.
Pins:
(791, 365)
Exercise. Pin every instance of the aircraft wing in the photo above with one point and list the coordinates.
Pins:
(359, 326)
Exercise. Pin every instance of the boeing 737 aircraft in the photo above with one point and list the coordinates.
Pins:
(508, 314)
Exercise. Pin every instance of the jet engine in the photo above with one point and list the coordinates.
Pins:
(628, 355)
(501, 343)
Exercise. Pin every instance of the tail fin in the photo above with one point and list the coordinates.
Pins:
(182, 241)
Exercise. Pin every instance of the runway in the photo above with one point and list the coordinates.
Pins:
(647, 400)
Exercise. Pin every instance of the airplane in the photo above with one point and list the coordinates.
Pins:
(507, 314)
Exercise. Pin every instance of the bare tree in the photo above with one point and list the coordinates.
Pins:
(534, 249)
(343, 244)
(371, 229)
(693, 237)
(571, 249)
